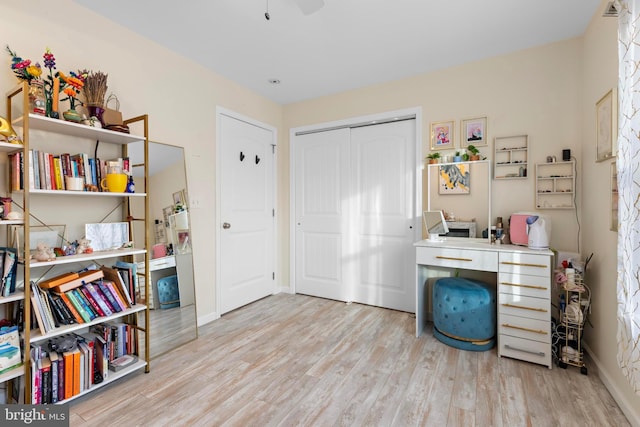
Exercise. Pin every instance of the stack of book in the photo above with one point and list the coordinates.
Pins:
(78, 298)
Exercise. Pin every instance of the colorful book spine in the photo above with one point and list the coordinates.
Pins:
(85, 304)
(110, 297)
(57, 163)
(86, 318)
(94, 304)
(54, 377)
(61, 377)
(99, 298)
(116, 294)
(72, 308)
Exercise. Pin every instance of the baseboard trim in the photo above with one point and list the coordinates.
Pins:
(626, 408)
(203, 320)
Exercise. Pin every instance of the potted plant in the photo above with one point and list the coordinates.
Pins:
(457, 157)
(433, 158)
(474, 152)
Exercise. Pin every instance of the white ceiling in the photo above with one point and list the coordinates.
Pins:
(348, 43)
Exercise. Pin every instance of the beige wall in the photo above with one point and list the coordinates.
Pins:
(533, 92)
(179, 96)
(599, 75)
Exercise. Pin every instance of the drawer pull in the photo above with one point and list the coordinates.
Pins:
(535, 331)
(523, 286)
(522, 264)
(537, 353)
(452, 258)
(524, 308)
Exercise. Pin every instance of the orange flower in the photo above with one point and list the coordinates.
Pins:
(75, 82)
(69, 91)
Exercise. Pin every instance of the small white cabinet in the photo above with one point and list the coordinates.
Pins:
(524, 307)
(555, 185)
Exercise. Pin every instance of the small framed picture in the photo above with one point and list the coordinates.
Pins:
(178, 197)
(474, 132)
(607, 126)
(442, 135)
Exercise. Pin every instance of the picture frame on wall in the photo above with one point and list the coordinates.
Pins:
(454, 179)
(607, 126)
(442, 135)
(178, 197)
(473, 131)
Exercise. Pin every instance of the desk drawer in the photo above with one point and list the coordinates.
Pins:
(531, 351)
(531, 308)
(521, 284)
(160, 263)
(458, 258)
(531, 264)
(520, 327)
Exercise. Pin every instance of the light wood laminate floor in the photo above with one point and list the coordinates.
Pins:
(290, 360)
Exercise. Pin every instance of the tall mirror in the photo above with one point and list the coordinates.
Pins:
(462, 191)
(172, 297)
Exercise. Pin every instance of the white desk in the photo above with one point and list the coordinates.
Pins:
(523, 290)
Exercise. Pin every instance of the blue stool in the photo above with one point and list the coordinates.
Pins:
(168, 293)
(464, 313)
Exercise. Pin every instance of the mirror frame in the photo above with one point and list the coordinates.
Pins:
(133, 154)
(489, 200)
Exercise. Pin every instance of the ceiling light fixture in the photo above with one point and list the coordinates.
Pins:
(274, 81)
(266, 14)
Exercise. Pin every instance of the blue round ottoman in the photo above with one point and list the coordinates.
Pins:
(464, 313)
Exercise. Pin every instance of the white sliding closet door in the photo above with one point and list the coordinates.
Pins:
(322, 205)
(383, 183)
(354, 204)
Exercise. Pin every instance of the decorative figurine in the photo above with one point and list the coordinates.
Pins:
(43, 253)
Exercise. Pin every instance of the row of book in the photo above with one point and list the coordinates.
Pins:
(48, 171)
(81, 297)
(73, 363)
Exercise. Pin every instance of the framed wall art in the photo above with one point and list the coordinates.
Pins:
(442, 135)
(607, 126)
(178, 198)
(473, 131)
(454, 179)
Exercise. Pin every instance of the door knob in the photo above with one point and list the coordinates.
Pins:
(226, 225)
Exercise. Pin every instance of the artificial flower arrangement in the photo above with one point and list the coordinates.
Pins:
(23, 68)
(54, 82)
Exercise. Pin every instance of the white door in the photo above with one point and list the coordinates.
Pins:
(383, 181)
(246, 213)
(321, 206)
(354, 204)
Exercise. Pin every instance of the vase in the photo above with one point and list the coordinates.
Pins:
(97, 112)
(72, 115)
(37, 102)
(49, 109)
